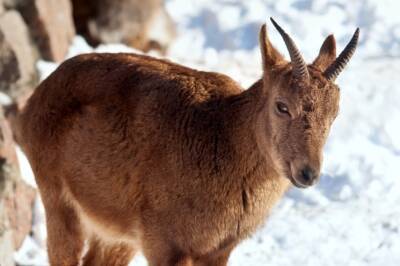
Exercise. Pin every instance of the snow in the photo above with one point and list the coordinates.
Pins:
(352, 217)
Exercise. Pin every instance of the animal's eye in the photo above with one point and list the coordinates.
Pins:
(282, 108)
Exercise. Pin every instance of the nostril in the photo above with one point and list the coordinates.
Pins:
(308, 175)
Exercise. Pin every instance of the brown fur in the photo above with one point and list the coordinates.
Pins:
(136, 153)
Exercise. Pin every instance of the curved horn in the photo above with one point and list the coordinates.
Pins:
(341, 61)
(299, 65)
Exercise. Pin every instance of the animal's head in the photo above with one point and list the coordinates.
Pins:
(302, 101)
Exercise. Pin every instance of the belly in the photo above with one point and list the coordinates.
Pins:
(110, 228)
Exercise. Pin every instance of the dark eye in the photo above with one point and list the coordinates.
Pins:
(282, 108)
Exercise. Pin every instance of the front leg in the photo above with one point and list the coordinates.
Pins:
(217, 258)
(159, 253)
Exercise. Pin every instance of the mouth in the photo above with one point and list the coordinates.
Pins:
(296, 183)
(292, 179)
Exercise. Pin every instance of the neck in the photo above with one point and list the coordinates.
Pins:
(249, 129)
(252, 161)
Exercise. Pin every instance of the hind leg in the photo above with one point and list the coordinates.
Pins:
(64, 235)
(108, 254)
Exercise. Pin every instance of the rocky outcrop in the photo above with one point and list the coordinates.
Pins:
(17, 76)
(16, 198)
(51, 26)
(144, 25)
(9, 71)
(6, 242)
(17, 63)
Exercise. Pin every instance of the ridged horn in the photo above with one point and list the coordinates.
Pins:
(299, 65)
(341, 61)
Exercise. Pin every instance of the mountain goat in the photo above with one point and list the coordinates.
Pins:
(135, 153)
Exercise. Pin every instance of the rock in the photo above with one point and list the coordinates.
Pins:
(51, 25)
(11, 4)
(6, 241)
(1, 7)
(7, 143)
(9, 72)
(18, 62)
(132, 22)
(19, 203)
(16, 198)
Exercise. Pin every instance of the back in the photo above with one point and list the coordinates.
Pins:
(126, 83)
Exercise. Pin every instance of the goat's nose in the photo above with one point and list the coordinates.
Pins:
(308, 176)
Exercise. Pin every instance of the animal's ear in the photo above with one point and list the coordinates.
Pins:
(270, 56)
(327, 54)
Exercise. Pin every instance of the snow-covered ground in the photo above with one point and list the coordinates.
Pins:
(352, 217)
